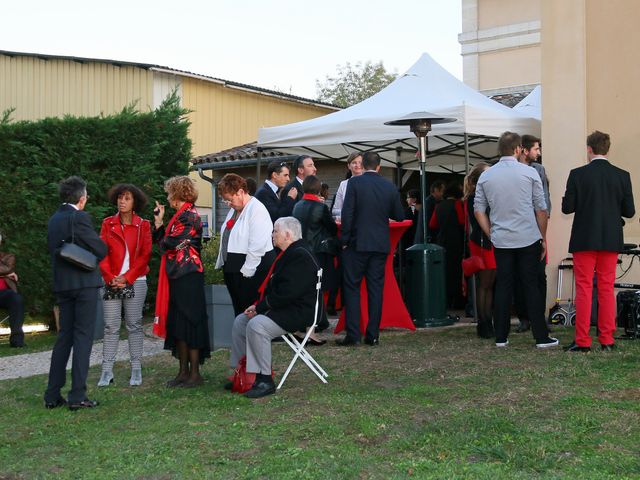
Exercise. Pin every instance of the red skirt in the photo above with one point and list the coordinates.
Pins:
(487, 255)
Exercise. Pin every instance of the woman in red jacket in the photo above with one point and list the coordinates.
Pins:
(124, 270)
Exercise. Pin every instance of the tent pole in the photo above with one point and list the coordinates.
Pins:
(258, 158)
(466, 154)
(423, 188)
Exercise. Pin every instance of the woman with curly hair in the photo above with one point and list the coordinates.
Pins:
(124, 271)
(181, 315)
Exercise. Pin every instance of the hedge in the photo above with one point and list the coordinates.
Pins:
(133, 147)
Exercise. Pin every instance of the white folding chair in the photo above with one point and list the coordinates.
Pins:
(298, 347)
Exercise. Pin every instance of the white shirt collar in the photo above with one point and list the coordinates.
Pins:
(299, 179)
(73, 205)
(273, 186)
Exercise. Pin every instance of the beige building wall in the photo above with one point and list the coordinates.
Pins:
(39, 88)
(223, 117)
(500, 43)
(589, 75)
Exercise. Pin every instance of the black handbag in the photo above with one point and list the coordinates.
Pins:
(75, 254)
(113, 293)
(330, 245)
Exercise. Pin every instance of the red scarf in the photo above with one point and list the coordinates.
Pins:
(311, 196)
(263, 286)
(162, 294)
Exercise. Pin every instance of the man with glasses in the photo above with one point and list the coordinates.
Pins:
(517, 228)
(76, 292)
(278, 205)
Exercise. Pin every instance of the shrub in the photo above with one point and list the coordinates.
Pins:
(209, 255)
(140, 148)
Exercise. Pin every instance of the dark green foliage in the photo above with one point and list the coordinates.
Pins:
(140, 148)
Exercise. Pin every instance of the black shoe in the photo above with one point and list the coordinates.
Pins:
(60, 402)
(228, 385)
(608, 348)
(524, 326)
(576, 348)
(374, 342)
(261, 389)
(86, 403)
(347, 342)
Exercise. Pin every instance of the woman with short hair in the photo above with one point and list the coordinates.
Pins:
(246, 251)
(124, 271)
(180, 304)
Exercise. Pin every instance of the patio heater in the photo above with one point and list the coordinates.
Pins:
(425, 273)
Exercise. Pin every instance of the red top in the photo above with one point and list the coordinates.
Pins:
(138, 239)
(3, 284)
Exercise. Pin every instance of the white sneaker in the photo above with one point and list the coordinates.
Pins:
(502, 344)
(105, 379)
(548, 342)
(136, 377)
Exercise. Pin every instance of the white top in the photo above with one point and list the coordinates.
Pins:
(336, 211)
(251, 235)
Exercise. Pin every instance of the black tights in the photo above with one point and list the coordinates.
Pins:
(486, 280)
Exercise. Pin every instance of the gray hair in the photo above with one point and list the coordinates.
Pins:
(291, 225)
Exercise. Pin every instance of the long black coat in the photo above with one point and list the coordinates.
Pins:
(66, 276)
(317, 222)
(290, 296)
(599, 194)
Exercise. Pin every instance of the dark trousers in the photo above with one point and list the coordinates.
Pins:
(357, 265)
(244, 291)
(521, 292)
(77, 323)
(12, 301)
(519, 266)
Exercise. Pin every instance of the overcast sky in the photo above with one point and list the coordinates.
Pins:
(278, 44)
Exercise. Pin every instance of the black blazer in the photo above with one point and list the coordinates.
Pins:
(277, 207)
(369, 203)
(288, 186)
(599, 194)
(66, 276)
(290, 295)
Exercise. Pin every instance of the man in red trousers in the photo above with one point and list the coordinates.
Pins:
(599, 194)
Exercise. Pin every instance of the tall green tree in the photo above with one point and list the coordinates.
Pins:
(354, 83)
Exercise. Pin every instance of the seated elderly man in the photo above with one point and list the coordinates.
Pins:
(286, 304)
(10, 298)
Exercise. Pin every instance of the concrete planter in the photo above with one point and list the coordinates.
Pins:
(221, 316)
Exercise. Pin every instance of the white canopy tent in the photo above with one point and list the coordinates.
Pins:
(531, 105)
(426, 86)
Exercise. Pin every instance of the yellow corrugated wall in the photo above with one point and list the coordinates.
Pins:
(224, 117)
(39, 88)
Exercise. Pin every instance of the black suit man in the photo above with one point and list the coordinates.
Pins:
(76, 292)
(598, 194)
(277, 178)
(369, 203)
(303, 166)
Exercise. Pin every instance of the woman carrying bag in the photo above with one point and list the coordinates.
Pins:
(124, 271)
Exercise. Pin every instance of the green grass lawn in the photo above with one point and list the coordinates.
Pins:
(433, 404)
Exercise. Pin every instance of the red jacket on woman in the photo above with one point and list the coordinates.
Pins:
(138, 238)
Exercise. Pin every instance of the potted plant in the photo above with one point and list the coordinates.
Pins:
(219, 306)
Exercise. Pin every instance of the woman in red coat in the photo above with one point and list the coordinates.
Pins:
(124, 270)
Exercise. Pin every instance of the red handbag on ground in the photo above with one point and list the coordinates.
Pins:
(243, 380)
